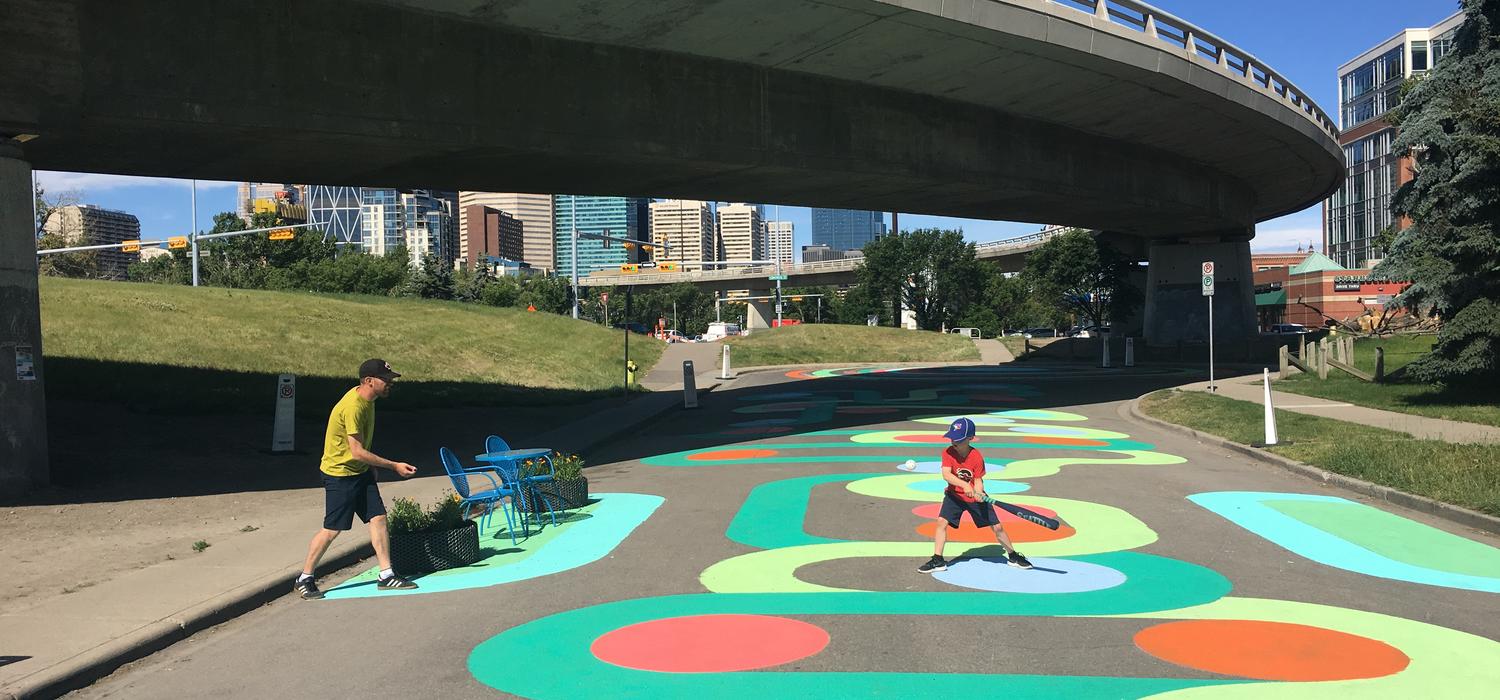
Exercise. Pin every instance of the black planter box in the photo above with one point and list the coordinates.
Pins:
(563, 495)
(425, 552)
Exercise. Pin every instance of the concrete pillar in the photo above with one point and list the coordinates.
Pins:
(1177, 311)
(759, 314)
(23, 408)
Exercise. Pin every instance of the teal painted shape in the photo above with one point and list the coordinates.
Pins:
(583, 542)
(1249, 510)
(680, 459)
(773, 513)
(558, 660)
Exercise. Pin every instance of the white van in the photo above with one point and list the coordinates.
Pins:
(717, 331)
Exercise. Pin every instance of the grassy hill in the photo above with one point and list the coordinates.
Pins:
(820, 343)
(181, 349)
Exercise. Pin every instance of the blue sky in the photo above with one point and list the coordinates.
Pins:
(1305, 40)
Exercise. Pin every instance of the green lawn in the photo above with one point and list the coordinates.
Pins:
(1465, 475)
(829, 343)
(1404, 396)
(181, 349)
(1015, 344)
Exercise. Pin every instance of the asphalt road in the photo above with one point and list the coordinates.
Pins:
(782, 562)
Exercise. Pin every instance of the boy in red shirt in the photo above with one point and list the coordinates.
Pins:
(963, 469)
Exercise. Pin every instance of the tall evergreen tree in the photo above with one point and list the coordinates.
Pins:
(1450, 121)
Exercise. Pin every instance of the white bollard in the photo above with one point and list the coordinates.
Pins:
(724, 371)
(1105, 338)
(1270, 411)
(284, 425)
(689, 386)
(1130, 352)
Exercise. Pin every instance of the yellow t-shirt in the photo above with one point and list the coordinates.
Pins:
(351, 415)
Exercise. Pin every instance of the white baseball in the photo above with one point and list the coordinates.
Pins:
(911, 464)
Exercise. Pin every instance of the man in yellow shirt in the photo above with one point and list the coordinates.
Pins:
(348, 481)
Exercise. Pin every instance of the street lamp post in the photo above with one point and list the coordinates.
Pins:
(195, 232)
(573, 222)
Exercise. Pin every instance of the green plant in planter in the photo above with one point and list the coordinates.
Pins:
(407, 516)
(564, 467)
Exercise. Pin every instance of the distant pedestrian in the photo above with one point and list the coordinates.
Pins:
(963, 469)
(349, 487)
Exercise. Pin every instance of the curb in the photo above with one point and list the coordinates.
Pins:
(1457, 515)
(87, 667)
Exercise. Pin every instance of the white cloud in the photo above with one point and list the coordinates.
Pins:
(1286, 240)
(89, 183)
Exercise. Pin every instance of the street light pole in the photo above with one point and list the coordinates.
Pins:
(195, 233)
(573, 221)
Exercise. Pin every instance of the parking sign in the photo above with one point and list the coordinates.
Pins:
(1208, 278)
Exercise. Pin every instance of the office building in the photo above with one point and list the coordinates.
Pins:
(846, 229)
(625, 217)
(822, 253)
(687, 228)
(534, 211)
(86, 224)
(1369, 87)
(741, 232)
(779, 242)
(336, 211)
(488, 235)
(1313, 289)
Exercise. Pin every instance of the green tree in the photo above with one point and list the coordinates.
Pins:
(1078, 274)
(1450, 121)
(550, 294)
(55, 230)
(431, 280)
(930, 271)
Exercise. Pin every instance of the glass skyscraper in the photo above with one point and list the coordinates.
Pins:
(627, 217)
(336, 210)
(424, 221)
(1369, 87)
(846, 229)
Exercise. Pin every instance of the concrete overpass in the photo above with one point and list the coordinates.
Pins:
(1103, 114)
(1008, 254)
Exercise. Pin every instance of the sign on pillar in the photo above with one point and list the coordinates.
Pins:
(283, 434)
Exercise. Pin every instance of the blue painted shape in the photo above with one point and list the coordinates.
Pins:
(583, 542)
(937, 467)
(996, 486)
(1248, 510)
(1049, 576)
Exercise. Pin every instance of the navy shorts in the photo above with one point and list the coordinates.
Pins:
(983, 514)
(347, 496)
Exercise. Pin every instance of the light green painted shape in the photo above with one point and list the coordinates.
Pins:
(1445, 663)
(887, 436)
(1016, 414)
(1047, 466)
(896, 486)
(1100, 528)
(1395, 537)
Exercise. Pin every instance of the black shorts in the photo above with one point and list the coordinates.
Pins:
(347, 496)
(983, 514)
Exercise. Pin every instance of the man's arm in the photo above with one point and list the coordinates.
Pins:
(358, 451)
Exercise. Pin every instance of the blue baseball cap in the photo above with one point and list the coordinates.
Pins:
(961, 429)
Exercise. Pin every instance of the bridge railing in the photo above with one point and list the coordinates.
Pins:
(1203, 45)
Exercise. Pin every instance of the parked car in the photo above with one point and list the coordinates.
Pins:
(1040, 333)
(718, 330)
(1288, 329)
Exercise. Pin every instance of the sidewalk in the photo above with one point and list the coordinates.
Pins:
(1248, 388)
(993, 352)
(57, 643)
(667, 374)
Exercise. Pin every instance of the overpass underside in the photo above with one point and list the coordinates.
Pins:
(1020, 110)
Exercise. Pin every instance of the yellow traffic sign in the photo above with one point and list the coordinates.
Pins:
(177, 242)
(796, 298)
(282, 234)
(130, 246)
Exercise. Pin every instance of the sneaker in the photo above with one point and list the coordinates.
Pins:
(1018, 560)
(308, 589)
(394, 583)
(936, 563)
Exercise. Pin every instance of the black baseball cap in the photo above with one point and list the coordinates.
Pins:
(375, 367)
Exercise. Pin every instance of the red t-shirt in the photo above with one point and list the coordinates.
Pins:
(968, 469)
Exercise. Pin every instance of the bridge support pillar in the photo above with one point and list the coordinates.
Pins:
(1177, 311)
(23, 408)
(759, 313)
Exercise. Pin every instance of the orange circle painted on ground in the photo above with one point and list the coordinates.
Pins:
(800, 374)
(1272, 651)
(721, 455)
(1019, 530)
(1048, 440)
(710, 643)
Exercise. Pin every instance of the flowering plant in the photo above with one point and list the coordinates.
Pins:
(565, 467)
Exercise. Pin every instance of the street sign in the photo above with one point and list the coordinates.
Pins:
(130, 247)
(777, 278)
(282, 234)
(177, 242)
(1208, 279)
(647, 264)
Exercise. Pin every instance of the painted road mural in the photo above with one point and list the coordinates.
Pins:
(766, 610)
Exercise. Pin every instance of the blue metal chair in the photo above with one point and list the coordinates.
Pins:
(459, 475)
(510, 472)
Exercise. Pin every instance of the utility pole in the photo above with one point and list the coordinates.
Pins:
(195, 231)
(573, 221)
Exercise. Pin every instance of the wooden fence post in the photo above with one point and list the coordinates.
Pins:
(1283, 365)
(1379, 364)
(1323, 359)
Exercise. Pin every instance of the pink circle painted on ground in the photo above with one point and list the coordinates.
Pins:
(710, 643)
(718, 455)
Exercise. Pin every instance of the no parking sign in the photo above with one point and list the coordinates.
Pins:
(283, 431)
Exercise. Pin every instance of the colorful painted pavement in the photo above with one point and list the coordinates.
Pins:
(758, 618)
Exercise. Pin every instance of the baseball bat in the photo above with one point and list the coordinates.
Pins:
(1023, 513)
